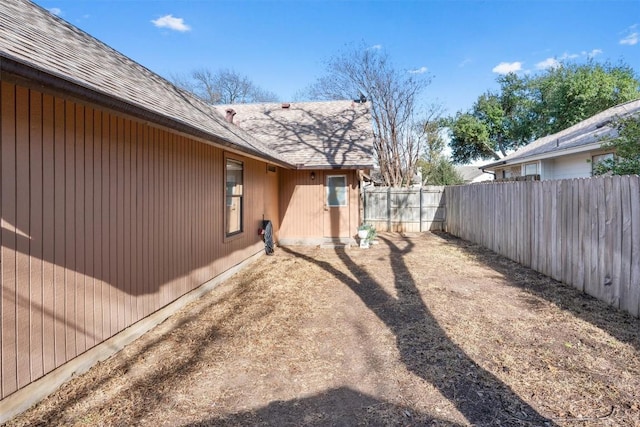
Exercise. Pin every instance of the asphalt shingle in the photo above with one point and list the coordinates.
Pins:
(327, 134)
(588, 131)
(33, 37)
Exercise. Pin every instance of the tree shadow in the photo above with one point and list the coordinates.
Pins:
(615, 322)
(424, 346)
(151, 389)
(335, 133)
(336, 407)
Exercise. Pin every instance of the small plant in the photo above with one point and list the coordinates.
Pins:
(371, 231)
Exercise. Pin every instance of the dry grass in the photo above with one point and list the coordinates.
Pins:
(418, 330)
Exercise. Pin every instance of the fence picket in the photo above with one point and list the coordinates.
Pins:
(625, 246)
(633, 302)
(583, 232)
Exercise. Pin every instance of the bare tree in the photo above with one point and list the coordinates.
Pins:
(368, 74)
(224, 86)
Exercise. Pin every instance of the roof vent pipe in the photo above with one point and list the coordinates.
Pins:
(230, 113)
(285, 105)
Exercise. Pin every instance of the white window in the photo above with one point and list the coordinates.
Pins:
(337, 190)
(531, 169)
(233, 197)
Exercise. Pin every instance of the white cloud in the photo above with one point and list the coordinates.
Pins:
(507, 67)
(169, 21)
(464, 63)
(420, 70)
(56, 11)
(553, 62)
(630, 39)
(376, 47)
(547, 63)
(569, 56)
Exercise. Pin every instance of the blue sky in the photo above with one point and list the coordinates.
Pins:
(282, 45)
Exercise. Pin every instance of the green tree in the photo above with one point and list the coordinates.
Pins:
(440, 171)
(527, 108)
(570, 93)
(627, 150)
(498, 122)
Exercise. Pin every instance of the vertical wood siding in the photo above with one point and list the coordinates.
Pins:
(104, 221)
(302, 203)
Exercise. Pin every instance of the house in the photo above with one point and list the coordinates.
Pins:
(570, 153)
(472, 174)
(330, 143)
(123, 196)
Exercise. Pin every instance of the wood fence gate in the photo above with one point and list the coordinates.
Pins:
(405, 209)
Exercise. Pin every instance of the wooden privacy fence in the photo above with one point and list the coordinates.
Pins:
(583, 232)
(404, 209)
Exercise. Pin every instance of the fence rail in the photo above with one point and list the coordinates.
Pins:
(583, 232)
(405, 209)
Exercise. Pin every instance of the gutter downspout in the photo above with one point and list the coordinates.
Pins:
(486, 171)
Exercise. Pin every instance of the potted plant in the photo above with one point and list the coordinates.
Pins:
(366, 234)
(363, 231)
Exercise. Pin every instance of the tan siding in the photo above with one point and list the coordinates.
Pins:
(138, 239)
(79, 226)
(271, 199)
(69, 234)
(354, 203)
(8, 264)
(23, 233)
(301, 207)
(88, 212)
(48, 227)
(35, 221)
(59, 227)
(104, 221)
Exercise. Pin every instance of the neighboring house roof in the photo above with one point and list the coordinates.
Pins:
(328, 134)
(44, 48)
(583, 136)
(470, 173)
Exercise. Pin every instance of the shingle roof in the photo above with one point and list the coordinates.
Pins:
(32, 37)
(469, 172)
(328, 134)
(589, 131)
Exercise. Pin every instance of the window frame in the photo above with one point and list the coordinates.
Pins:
(346, 191)
(225, 197)
(524, 169)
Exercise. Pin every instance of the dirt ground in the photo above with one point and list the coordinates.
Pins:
(417, 330)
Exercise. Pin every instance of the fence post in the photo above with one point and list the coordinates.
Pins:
(389, 209)
(364, 205)
(420, 213)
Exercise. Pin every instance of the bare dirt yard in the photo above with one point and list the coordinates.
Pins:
(418, 330)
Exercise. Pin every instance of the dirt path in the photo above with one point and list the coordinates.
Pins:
(419, 330)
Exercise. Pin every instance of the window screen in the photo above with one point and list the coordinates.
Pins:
(337, 190)
(233, 197)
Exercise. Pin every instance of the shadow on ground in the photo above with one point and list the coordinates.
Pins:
(338, 407)
(425, 348)
(615, 322)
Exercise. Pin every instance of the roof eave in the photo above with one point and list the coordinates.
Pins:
(83, 92)
(334, 167)
(492, 165)
(548, 155)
